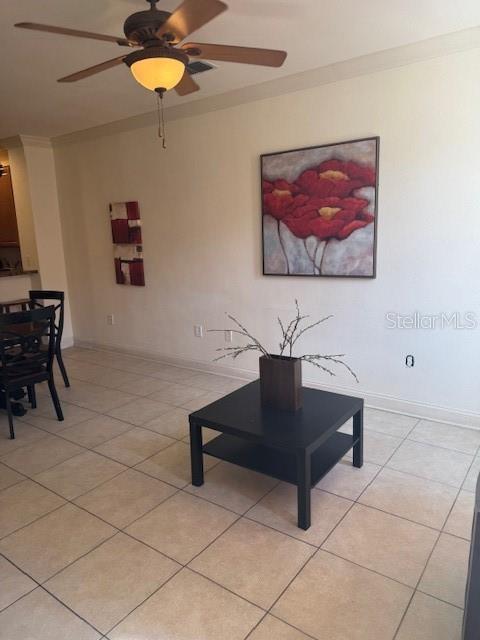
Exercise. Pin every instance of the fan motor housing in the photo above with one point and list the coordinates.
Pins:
(141, 26)
(156, 52)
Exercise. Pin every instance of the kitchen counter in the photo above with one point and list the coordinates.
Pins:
(9, 274)
(17, 286)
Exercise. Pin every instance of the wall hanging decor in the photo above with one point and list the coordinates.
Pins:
(127, 241)
(319, 207)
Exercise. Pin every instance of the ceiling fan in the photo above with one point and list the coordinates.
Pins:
(161, 61)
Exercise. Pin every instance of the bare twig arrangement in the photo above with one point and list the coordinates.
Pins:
(291, 332)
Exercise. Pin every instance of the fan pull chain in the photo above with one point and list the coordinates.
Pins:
(161, 119)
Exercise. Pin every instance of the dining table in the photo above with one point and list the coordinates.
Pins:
(25, 329)
(10, 306)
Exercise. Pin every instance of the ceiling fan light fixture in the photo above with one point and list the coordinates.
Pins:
(157, 68)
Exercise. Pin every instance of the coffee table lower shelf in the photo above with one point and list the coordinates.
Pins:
(278, 463)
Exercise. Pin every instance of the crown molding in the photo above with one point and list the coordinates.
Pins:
(36, 141)
(14, 142)
(439, 46)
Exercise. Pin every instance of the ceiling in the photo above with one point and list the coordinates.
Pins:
(314, 32)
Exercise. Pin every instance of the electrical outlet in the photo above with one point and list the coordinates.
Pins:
(410, 361)
(111, 319)
(198, 331)
(228, 336)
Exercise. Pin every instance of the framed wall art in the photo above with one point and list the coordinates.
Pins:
(319, 210)
(127, 242)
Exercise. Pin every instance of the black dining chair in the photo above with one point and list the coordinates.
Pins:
(27, 349)
(37, 300)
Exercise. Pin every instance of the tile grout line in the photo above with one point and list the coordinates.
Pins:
(459, 492)
(338, 524)
(47, 468)
(40, 586)
(146, 375)
(319, 549)
(239, 516)
(148, 395)
(131, 425)
(417, 590)
(37, 584)
(117, 530)
(103, 455)
(133, 467)
(320, 546)
(326, 538)
(185, 566)
(450, 604)
(439, 446)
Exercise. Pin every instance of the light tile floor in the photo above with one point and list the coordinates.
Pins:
(102, 535)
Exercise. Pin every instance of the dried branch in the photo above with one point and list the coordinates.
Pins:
(244, 333)
(291, 333)
(313, 359)
(308, 327)
(262, 349)
(317, 364)
(281, 345)
(234, 352)
(298, 319)
(287, 333)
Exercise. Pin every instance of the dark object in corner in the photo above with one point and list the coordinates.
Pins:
(471, 617)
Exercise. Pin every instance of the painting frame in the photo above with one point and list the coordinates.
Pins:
(373, 275)
(126, 230)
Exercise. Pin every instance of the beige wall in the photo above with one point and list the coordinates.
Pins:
(46, 217)
(200, 207)
(36, 202)
(16, 287)
(23, 206)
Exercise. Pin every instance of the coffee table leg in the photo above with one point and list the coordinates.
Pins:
(304, 482)
(358, 435)
(196, 454)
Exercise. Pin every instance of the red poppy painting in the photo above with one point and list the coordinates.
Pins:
(319, 210)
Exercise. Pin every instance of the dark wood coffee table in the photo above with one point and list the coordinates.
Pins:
(297, 447)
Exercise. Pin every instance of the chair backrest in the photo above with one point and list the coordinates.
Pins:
(27, 341)
(38, 298)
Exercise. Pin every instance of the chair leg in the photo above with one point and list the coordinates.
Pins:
(8, 407)
(32, 396)
(55, 400)
(63, 371)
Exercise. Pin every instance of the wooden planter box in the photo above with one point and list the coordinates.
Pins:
(281, 382)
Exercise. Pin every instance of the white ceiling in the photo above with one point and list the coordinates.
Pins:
(314, 32)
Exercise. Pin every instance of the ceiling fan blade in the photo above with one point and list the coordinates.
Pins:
(190, 16)
(90, 71)
(72, 32)
(226, 53)
(186, 85)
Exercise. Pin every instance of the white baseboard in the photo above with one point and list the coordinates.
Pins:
(373, 400)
